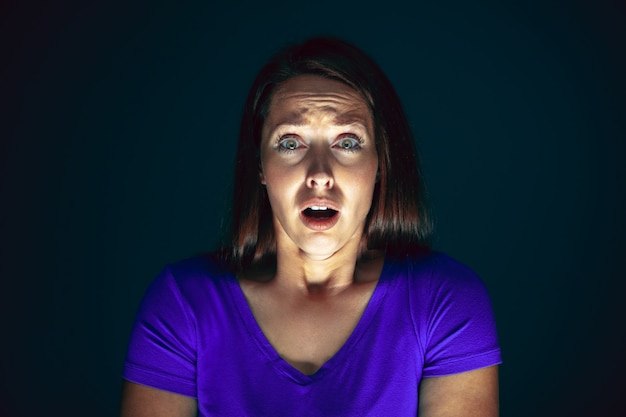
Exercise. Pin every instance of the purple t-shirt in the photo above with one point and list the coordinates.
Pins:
(195, 335)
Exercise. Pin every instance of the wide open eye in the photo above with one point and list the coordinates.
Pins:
(349, 143)
(288, 144)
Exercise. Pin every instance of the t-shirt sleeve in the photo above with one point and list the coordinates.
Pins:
(161, 352)
(454, 320)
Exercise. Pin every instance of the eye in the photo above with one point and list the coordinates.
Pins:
(288, 143)
(349, 143)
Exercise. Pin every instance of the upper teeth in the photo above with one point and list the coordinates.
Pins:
(319, 208)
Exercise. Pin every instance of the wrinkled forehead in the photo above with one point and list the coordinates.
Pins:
(301, 98)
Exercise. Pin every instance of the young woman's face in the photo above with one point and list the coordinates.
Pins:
(319, 164)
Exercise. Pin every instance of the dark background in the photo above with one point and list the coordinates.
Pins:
(119, 123)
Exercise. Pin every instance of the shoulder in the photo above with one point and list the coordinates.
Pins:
(439, 286)
(451, 313)
(191, 280)
(205, 264)
(435, 269)
(163, 347)
(198, 269)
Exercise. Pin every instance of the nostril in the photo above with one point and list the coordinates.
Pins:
(320, 179)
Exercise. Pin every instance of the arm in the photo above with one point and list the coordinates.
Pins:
(142, 401)
(467, 394)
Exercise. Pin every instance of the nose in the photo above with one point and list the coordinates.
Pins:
(320, 173)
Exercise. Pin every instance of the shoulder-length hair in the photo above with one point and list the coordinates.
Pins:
(398, 220)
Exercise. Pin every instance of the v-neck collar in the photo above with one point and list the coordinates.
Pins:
(341, 356)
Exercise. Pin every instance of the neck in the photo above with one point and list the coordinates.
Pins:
(329, 275)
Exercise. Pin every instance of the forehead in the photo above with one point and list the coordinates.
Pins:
(305, 97)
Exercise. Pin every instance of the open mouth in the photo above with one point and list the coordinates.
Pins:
(319, 212)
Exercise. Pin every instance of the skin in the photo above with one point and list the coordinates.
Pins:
(319, 118)
(142, 401)
(318, 145)
(467, 394)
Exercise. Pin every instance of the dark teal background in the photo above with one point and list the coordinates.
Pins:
(119, 122)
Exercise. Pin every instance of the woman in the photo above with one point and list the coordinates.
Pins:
(329, 303)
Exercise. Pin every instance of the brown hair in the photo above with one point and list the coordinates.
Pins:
(398, 220)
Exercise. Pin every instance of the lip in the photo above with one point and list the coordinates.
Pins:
(319, 202)
(319, 224)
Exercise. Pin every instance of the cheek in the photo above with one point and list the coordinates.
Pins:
(368, 178)
(362, 183)
(276, 178)
(281, 187)
(369, 172)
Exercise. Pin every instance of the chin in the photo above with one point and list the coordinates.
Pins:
(319, 248)
(324, 248)
(318, 252)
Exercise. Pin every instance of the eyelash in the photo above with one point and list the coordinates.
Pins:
(357, 142)
(280, 140)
